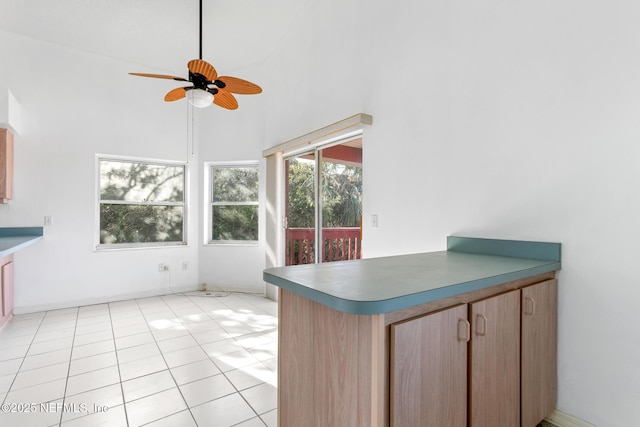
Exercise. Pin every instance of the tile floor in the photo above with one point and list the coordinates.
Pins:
(175, 360)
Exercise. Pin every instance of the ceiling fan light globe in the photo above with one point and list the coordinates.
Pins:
(199, 98)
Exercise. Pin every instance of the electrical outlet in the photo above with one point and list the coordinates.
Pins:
(163, 267)
(185, 265)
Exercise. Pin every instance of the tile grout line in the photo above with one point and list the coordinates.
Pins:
(223, 373)
(155, 340)
(237, 391)
(23, 359)
(66, 382)
(199, 345)
(93, 370)
(115, 350)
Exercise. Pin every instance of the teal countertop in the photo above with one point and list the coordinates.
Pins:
(382, 285)
(12, 239)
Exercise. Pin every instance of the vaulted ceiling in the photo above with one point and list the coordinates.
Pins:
(159, 34)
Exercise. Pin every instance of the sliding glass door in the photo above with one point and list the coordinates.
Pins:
(300, 209)
(324, 204)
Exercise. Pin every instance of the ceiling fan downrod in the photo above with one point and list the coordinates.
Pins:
(200, 57)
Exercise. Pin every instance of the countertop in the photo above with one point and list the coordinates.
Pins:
(382, 285)
(12, 239)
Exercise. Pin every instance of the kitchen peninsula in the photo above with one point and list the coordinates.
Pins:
(462, 337)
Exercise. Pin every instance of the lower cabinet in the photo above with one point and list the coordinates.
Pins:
(488, 363)
(428, 376)
(539, 349)
(482, 359)
(6, 289)
(494, 368)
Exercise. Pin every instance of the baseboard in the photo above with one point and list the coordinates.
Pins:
(97, 300)
(561, 419)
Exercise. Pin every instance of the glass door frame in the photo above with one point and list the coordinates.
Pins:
(316, 150)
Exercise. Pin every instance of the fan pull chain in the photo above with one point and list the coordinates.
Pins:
(193, 131)
(190, 132)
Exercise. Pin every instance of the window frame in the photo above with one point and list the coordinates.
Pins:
(140, 245)
(209, 202)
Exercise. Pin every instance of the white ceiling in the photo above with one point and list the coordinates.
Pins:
(159, 34)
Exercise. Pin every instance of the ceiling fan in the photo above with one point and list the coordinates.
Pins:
(207, 87)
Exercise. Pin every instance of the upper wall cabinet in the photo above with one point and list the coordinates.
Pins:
(6, 165)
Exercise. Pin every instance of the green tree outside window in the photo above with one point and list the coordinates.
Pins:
(234, 203)
(141, 203)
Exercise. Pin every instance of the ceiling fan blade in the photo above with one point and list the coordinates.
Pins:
(160, 76)
(239, 86)
(175, 94)
(225, 100)
(198, 66)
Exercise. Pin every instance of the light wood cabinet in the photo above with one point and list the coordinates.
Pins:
(539, 349)
(511, 359)
(6, 289)
(428, 383)
(6, 165)
(495, 361)
(414, 366)
(329, 365)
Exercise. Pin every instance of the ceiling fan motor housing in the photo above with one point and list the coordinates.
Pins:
(199, 81)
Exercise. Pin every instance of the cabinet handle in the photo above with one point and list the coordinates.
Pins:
(481, 325)
(464, 330)
(529, 308)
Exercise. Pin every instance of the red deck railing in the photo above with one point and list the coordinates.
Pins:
(338, 244)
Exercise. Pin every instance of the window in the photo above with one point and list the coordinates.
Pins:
(233, 203)
(141, 203)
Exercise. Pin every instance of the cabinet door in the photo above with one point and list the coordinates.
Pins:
(6, 165)
(429, 370)
(6, 290)
(539, 350)
(2, 293)
(495, 361)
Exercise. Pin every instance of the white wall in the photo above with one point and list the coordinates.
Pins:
(514, 120)
(75, 105)
(234, 136)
